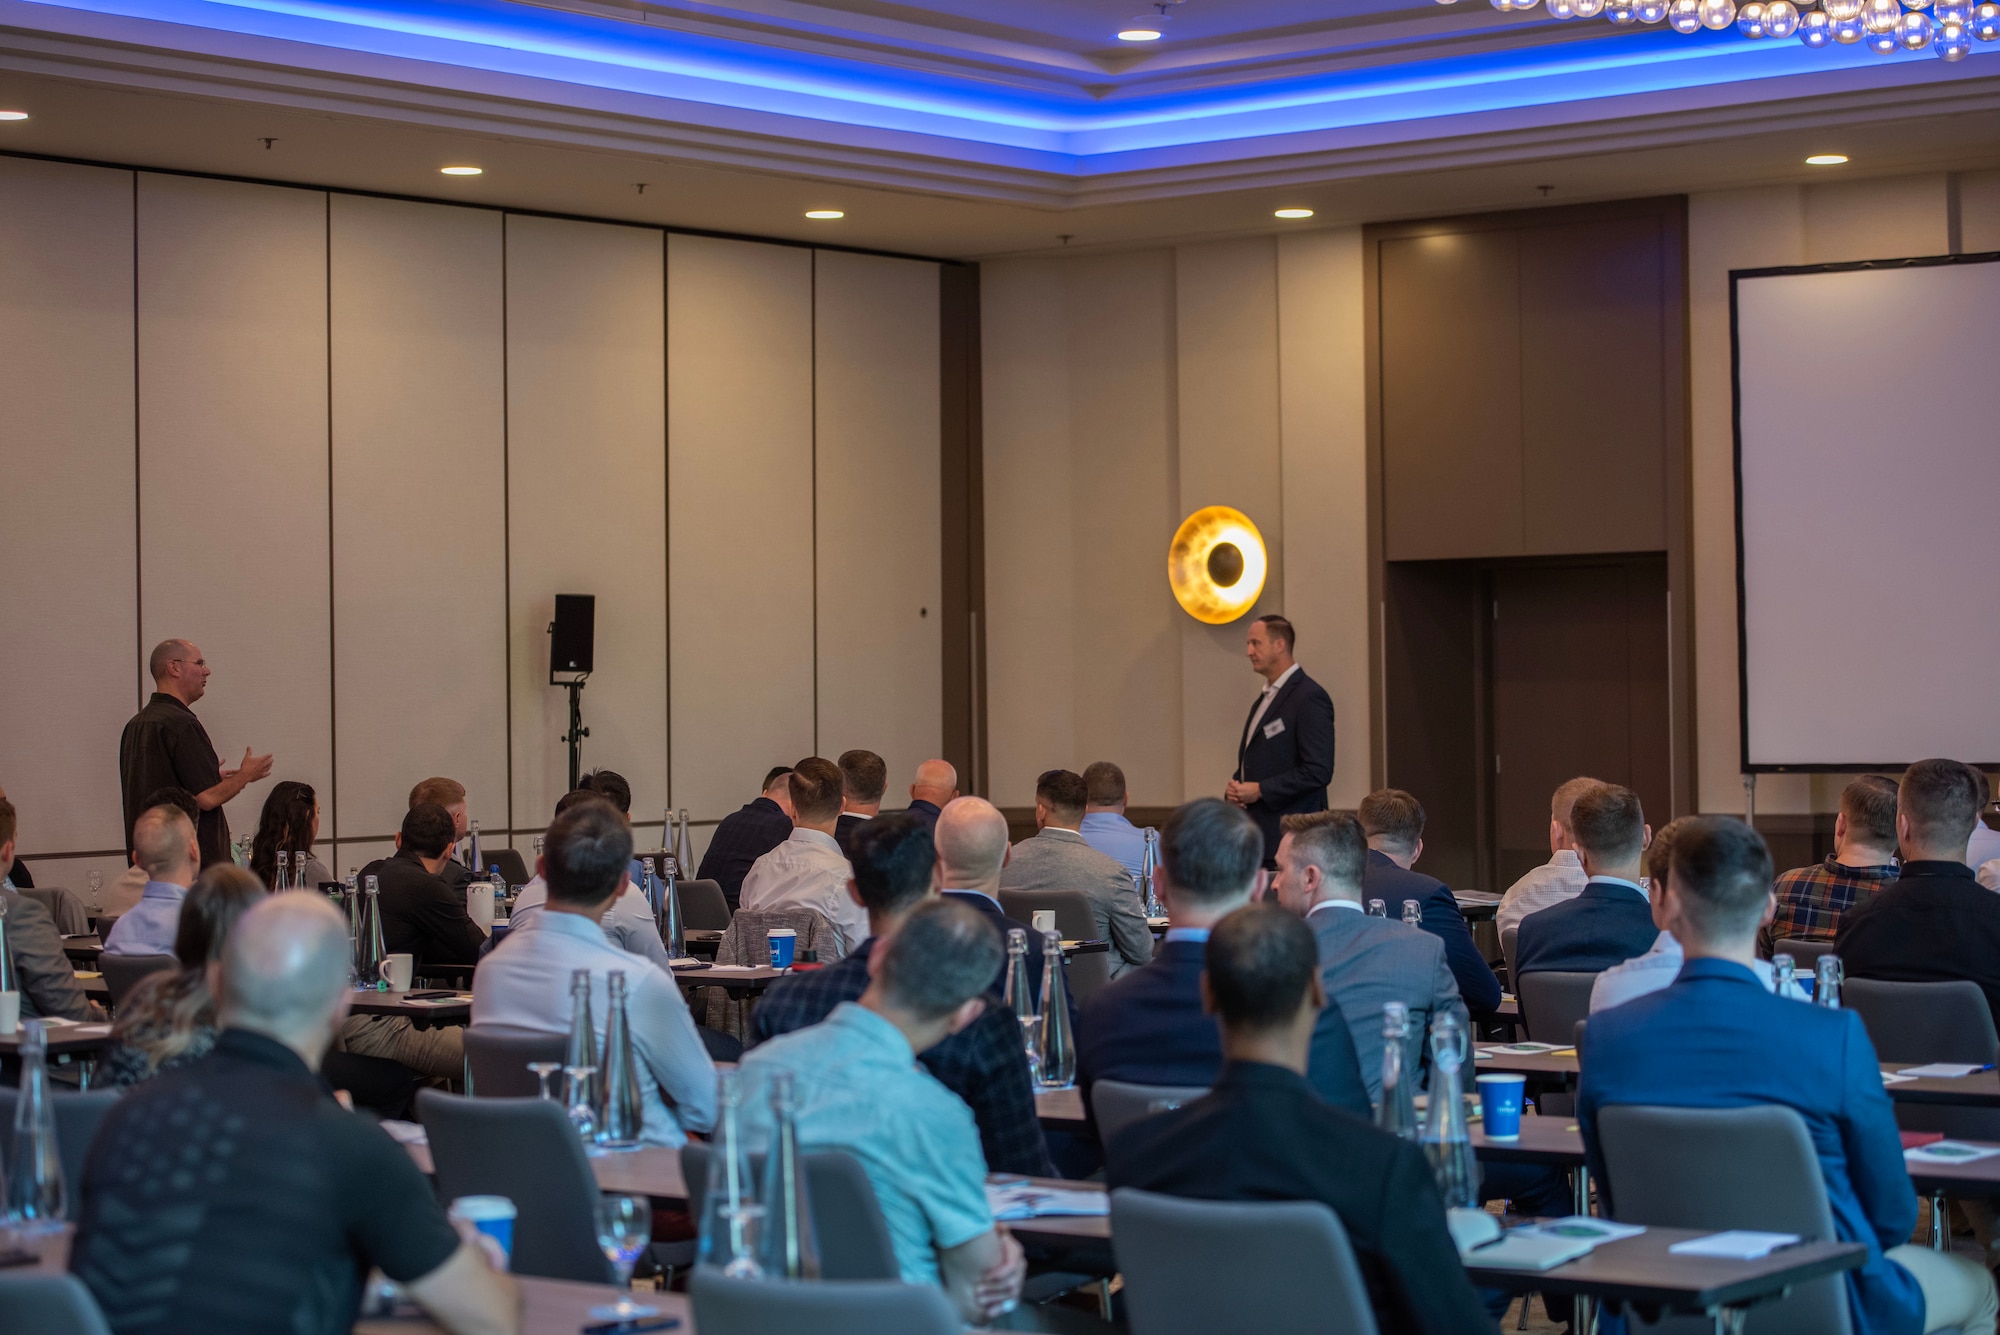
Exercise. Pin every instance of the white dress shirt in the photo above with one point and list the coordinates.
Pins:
(149, 927)
(1656, 969)
(524, 983)
(1264, 700)
(808, 871)
(628, 924)
(1561, 877)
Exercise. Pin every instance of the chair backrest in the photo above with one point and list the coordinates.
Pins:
(122, 972)
(747, 940)
(497, 1057)
(1925, 1022)
(1724, 1168)
(1291, 1268)
(1116, 1104)
(527, 1151)
(45, 1304)
(725, 1306)
(703, 906)
(1805, 954)
(854, 1241)
(78, 1115)
(1507, 940)
(513, 867)
(72, 918)
(1074, 920)
(1552, 1002)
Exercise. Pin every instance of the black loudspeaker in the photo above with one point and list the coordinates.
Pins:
(573, 634)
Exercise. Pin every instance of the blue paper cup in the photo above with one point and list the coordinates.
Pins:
(1500, 1098)
(491, 1215)
(783, 942)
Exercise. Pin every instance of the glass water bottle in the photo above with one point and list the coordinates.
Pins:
(1058, 1046)
(1413, 913)
(1447, 1140)
(281, 880)
(1397, 1112)
(731, 1217)
(624, 1113)
(790, 1247)
(472, 836)
(1781, 972)
(1149, 868)
(1828, 974)
(1377, 909)
(684, 847)
(369, 950)
(673, 930)
(35, 1197)
(1021, 997)
(8, 981)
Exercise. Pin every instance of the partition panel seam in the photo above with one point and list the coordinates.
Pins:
(332, 618)
(138, 463)
(507, 521)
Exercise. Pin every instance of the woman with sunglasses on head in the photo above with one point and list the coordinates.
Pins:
(289, 825)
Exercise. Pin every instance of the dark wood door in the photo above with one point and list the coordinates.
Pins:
(1578, 686)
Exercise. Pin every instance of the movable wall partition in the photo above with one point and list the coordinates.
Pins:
(352, 447)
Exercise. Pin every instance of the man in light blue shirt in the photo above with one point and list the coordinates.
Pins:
(859, 1088)
(1104, 825)
(163, 842)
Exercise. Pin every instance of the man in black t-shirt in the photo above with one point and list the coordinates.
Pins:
(165, 746)
(236, 1195)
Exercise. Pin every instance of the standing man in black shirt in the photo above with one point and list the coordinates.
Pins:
(243, 1196)
(165, 746)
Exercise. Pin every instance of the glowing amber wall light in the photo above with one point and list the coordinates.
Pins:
(1216, 565)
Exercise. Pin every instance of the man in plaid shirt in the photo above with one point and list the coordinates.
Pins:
(895, 869)
(1812, 899)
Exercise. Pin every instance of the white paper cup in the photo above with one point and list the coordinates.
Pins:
(10, 1012)
(397, 969)
(479, 904)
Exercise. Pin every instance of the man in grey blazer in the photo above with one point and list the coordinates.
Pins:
(1057, 858)
(1364, 962)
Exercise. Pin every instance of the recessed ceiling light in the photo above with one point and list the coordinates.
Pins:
(463, 171)
(1293, 213)
(13, 115)
(1140, 31)
(1826, 159)
(825, 214)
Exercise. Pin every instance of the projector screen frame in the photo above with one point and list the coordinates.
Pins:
(1736, 474)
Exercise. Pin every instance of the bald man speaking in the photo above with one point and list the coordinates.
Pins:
(165, 746)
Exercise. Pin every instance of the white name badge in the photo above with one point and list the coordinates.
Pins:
(1273, 728)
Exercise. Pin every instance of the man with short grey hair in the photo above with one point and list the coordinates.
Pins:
(164, 846)
(245, 1194)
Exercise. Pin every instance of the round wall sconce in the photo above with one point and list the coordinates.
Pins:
(1216, 564)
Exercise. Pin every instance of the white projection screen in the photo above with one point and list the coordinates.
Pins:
(1868, 513)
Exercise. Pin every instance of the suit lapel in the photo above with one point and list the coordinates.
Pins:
(1277, 703)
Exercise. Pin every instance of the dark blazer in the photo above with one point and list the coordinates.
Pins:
(1002, 923)
(1262, 1134)
(740, 838)
(1934, 925)
(1605, 925)
(844, 828)
(1147, 1027)
(927, 812)
(422, 917)
(1290, 756)
(1382, 879)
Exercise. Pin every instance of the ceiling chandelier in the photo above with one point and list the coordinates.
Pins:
(1946, 27)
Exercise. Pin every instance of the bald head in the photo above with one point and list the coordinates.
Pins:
(163, 844)
(167, 652)
(971, 843)
(936, 783)
(284, 972)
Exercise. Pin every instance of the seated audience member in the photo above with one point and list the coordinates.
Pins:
(1812, 900)
(449, 794)
(864, 777)
(971, 838)
(935, 786)
(1984, 846)
(163, 843)
(289, 824)
(629, 925)
(859, 1089)
(1104, 825)
(168, 1020)
(1364, 962)
(748, 833)
(1263, 1134)
(1057, 858)
(1989, 874)
(43, 974)
(125, 890)
(1660, 965)
(1936, 923)
(524, 983)
(808, 870)
(1717, 1038)
(293, 1198)
(895, 871)
(1611, 921)
(1149, 1027)
(1562, 876)
(421, 915)
(1394, 823)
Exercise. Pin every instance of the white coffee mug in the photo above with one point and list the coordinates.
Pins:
(1045, 921)
(10, 1012)
(396, 969)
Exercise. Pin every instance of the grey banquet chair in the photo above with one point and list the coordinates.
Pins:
(853, 1236)
(1117, 1104)
(1552, 1002)
(704, 908)
(1074, 922)
(49, 1304)
(725, 1306)
(497, 1057)
(1924, 1022)
(123, 972)
(78, 1115)
(1805, 954)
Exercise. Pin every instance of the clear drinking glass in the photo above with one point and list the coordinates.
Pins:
(624, 1227)
(94, 886)
(1781, 972)
(543, 1070)
(582, 1111)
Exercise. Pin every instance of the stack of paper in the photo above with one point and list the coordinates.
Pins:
(1948, 1151)
(1548, 1244)
(1024, 1200)
(1738, 1244)
(1941, 1071)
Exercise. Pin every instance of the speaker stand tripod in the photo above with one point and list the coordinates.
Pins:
(577, 732)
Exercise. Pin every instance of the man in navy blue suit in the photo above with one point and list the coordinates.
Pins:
(1148, 1027)
(1717, 1037)
(1393, 820)
(1284, 760)
(1611, 921)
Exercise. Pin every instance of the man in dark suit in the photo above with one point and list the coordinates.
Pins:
(1263, 1134)
(971, 838)
(748, 833)
(1612, 920)
(1393, 820)
(1148, 1027)
(864, 776)
(1936, 923)
(936, 785)
(1285, 758)
(421, 916)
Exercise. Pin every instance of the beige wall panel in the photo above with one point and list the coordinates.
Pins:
(1030, 633)
(419, 557)
(233, 549)
(876, 473)
(1226, 306)
(1127, 664)
(1324, 421)
(586, 478)
(1979, 212)
(739, 330)
(1875, 220)
(67, 538)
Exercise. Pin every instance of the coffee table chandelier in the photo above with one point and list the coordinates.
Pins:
(1945, 27)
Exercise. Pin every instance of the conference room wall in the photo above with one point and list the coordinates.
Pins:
(69, 539)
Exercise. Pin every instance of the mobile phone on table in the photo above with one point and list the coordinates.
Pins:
(632, 1327)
